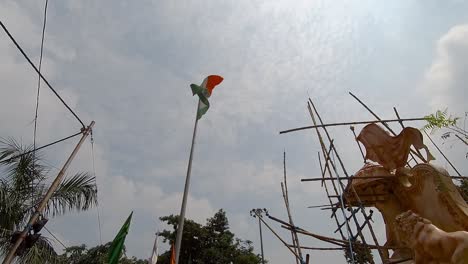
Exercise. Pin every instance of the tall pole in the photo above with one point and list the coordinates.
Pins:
(257, 213)
(11, 254)
(261, 240)
(180, 227)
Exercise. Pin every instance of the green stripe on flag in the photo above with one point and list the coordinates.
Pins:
(115, 250)
(203, 95)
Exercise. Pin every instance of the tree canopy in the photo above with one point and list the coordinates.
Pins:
(95, 255)
(212, 243)
(24, 180)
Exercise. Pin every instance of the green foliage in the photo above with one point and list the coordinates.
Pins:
(95, 255)
(439, 120)
(212, 243)
(18, 198)
(361, 253)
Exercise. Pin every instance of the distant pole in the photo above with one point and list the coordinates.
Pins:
(258, 213)
(11, 254)
(261, 240)
(180, 227)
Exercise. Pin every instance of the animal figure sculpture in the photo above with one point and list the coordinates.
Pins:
(391, 152)
(429, 243)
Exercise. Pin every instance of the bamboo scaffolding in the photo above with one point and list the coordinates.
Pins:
(381, 253)
(328, 196)
(327, 160)
(346, 220)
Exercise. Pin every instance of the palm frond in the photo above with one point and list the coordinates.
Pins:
(22, 170)
(41, 252)
(12, 207)
(75, 193)
(5, 235)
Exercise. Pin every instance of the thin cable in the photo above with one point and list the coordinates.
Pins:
(56, 239)
(37, 97)
(37, 70)
(97, 204)
(39, 148)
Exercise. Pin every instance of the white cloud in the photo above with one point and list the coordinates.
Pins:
(446, 80)
(128, 66)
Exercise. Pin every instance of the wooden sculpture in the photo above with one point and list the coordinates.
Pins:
(429, 243)
(394, 188)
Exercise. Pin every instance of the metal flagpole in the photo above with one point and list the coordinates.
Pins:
(180, 227)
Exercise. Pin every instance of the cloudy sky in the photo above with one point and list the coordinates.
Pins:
(128, 65)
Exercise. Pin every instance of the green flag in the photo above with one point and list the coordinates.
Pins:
(115, 250)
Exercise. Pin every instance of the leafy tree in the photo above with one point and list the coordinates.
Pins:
(23, 183)
(440, 120)
(95, 255)
(212, 243)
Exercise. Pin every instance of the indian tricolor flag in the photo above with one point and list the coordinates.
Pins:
(204, 92)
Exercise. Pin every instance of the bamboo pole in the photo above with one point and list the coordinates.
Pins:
(288, 209)
(274, 233)
(403, 126)
(329, 199)
(357, 142)
(351, 178)
(351, 123)
(11, 254)
(462, 140)
(442, 153)
(321, 248)
(335, 241)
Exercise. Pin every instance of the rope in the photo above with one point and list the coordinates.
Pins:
(94, 172)
(37, 97)
(37, 70)
(56, 238)
(39, 148)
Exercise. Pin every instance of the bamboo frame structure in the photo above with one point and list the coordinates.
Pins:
(333, 172)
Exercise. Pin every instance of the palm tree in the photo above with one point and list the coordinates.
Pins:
(24, 180)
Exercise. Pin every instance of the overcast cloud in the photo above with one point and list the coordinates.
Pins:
(128, 65)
